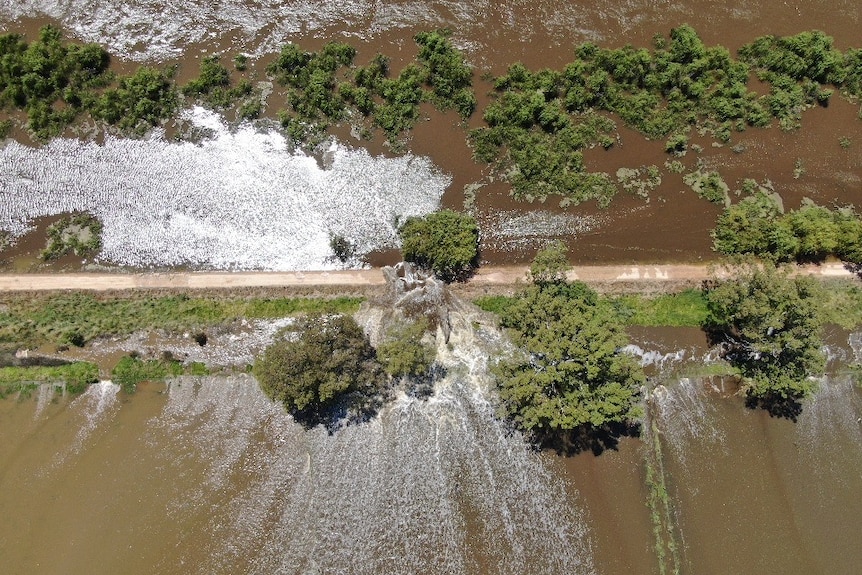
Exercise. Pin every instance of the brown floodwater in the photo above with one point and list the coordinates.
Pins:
(672, 225)
(206, 475)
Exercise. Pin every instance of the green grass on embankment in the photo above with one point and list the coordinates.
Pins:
(842, 306)
(75, 318)
(76, 376)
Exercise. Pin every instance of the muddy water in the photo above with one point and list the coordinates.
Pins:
(671, 226)
(207, 476)
(210, 477)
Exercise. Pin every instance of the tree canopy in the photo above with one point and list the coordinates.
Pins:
(550, 264)
(327, 360)
(403, 353)
(444, 242)
(771, 324)
(572, 374)
(756, 226)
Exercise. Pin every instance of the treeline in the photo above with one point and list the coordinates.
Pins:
(540, 121)
(572, 379)
(55, 82)
(756, 226)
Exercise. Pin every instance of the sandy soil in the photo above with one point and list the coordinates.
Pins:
(487, 277)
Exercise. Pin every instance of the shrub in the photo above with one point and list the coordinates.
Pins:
(445, 242)
(320, 363)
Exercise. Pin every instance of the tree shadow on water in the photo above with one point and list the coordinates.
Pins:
(589, 438)
(776, 405)
(353, 409)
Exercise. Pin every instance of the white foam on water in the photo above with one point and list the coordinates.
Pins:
(238, 200)
(426, 486)
(654, 357)
(91, 409)
(46, 393)
(686, 415)
(147, 30)
(534, 229)
(835, 412)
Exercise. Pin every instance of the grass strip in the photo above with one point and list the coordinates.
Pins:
(76, 377)
(75, 318)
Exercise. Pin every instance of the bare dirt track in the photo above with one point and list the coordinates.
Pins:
(487, 277)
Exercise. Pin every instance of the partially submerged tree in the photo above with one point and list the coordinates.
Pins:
(572, 380)
(444, 242)
(403, 353)
(771, 324)
(327, 365)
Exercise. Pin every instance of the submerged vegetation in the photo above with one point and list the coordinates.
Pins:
(131, 370)
(537, 124)
(540, 121)
(54, 82)
(77, 233)
(74, 377)
(325, 88)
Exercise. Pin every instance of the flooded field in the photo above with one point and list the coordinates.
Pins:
(206, 475)
(235, 228)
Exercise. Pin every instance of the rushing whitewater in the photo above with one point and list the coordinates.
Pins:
(241, 199)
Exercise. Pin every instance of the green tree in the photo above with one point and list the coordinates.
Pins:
(770, 323)
(550, 264)
(325, 362)
(444, 242)
(402, 353)
(571, 377)
(752, 227)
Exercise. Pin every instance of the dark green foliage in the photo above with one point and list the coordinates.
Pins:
(50, 80)
(311, 81)
(550, 264)
(327, 359)
(448, 75)
(78, 233)
(755, 226)
(496, 304)
(76, 376)
(402, 353)
(213, 86)
(807, 55)
(771, 324)
(54, 82)
(212, 75)
(445, 242)
(139, 102)
(318, 98)
(572, 375)
(130, 371)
